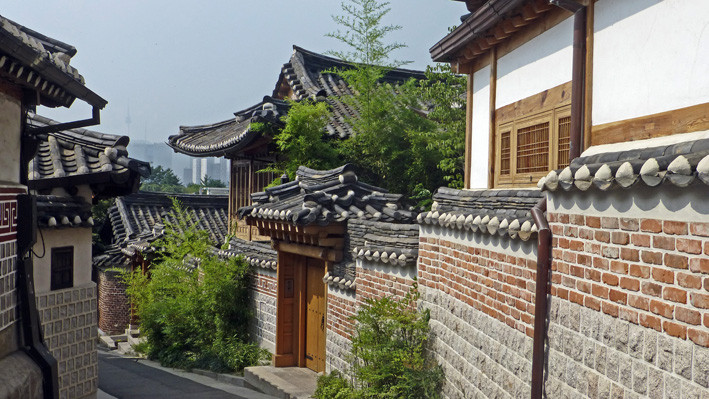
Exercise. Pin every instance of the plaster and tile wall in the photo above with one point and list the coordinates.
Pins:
(10, 120)
(670, 34)
(480, 128)
(77, 237)
(480, 290)
(68, 320)
(264, 288)
(113, 303)
(630, 293)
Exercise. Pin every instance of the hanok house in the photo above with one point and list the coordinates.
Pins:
(250, 150)
(338, 242)
(70, 171)
(600, 289)
(132, 225)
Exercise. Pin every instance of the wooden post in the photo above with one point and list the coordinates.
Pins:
(251, 189)
(493, 93)
(588, 103)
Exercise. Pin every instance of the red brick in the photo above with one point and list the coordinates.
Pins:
(641, 240)
(563, 218)
(638, 302)
(629, 224)
(619, 237)
(653, 289)
(699, 337)
(654, 258)
(689, 246)
(630, 254)
(628, 315)
(593, 221)
(675, 294)
(584, 259)
(618, 267)
(663, 275)
(600, 263)
(630, 284)
(676, 261)
(661, 308)
(699, 265)
(706, 319)
(650, 321)
(651, 225)
(674, 329)
(576, 219)
(688, 316)
(576, 245)
(700, 300)
(611, 279)
(610, 309)
(699, 229)
(586, 234)
(663, 242)
(576, 271)
(584, 286)
(640, 271)
(609, 223)
(593, 274)
(618, 296)
(600, 291)
(593, 303)
(602, 236)
(689, 280)
(670, 227)
(576, 297)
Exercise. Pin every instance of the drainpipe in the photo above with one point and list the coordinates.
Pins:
(94, 120)
(578, 74)
(540, 297)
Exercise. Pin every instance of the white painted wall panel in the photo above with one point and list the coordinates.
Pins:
(540, 64)
(480, 129)
(79, 238)
(650, 56)
(10, 118)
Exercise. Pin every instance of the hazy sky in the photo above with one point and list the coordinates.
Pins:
(172, 63)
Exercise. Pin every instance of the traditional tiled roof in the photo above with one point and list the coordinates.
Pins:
(60, 211)
(112, 256)
(41, 63)
(229, 136)
(502, 212)
(680, 160)
(139, 218)
(258, 254)
(79, 156)
(304, 76)
(393, 243)
(324, 197)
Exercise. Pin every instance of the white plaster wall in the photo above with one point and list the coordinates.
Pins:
(480, 129)
(79, 238)
(649, 56)
(10, 138)
(540, 64)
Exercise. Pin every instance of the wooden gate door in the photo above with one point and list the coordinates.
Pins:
(315, 316)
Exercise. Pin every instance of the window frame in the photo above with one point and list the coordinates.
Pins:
(56, 268)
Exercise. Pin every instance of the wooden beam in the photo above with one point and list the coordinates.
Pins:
(684, 120)
(493, 95)
(540, 102)
(588, 93)
(468, 132)
(309, 251)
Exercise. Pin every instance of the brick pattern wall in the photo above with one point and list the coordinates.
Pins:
(263, 330)
(497, 284)
(341, 306)
(68, 319)
(8, 278)
(375, 282)
(113, 303)
(649, 272)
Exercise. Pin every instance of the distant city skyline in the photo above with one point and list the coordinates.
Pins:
(164, 64)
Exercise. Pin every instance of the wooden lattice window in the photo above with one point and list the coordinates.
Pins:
(564, 128)
(533, 148)
(505, 150)
(62, 268)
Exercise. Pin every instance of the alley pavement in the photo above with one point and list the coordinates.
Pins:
(129, 378)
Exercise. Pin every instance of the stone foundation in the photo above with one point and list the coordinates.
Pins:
(263, 329)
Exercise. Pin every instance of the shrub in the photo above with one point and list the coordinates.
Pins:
(194, 318)
(389, 354)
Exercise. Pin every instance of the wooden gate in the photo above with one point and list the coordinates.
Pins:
(315, 316)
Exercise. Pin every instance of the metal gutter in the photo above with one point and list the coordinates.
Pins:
(94, 120)
(540, 297)
(484, 18)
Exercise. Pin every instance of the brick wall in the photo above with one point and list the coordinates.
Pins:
(263, 287)
(376, 280)
(480, 290)
(68, 319)
(341, 306)
(114, 305)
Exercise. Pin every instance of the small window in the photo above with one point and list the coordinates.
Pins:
(62, 268)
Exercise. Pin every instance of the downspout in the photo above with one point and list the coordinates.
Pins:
(578, 74)
(540, 297)
(94, 120)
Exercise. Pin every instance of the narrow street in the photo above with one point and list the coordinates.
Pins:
(127, 378)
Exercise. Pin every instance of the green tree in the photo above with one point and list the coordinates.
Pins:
(194, 308)
(210, 182)
(162, 180)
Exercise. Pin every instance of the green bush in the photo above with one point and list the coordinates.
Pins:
(389, 354)
(194, 318)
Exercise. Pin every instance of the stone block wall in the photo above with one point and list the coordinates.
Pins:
(114, 305)
(480, 290)
(68, 319)
(8, 279)
(263, 287)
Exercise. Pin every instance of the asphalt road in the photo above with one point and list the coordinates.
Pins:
(126, 378)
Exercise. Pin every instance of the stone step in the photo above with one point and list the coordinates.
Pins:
(125, 348)
(282, 382)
